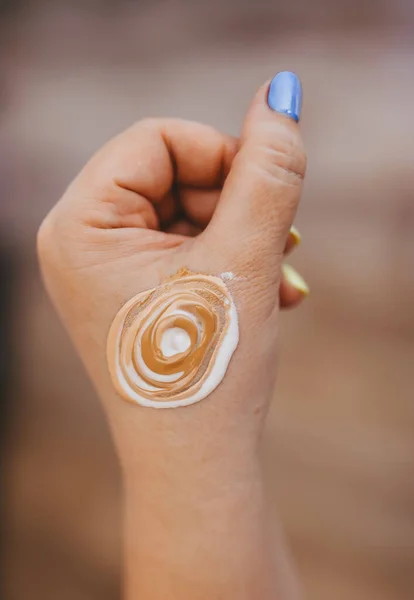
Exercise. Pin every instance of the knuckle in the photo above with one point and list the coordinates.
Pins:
(45, 239)
(149, 124)
(51, 240)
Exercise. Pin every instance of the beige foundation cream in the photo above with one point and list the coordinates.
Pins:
(171, 346)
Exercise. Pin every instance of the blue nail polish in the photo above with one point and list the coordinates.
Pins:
(285, 94)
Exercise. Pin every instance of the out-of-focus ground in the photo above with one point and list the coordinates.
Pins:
(339, 449)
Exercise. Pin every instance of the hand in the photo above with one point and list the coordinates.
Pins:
(164, 195)
(168, 194)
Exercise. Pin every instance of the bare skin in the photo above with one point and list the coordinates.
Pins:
(164, 195)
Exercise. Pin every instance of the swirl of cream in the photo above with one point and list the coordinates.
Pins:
(171, 346)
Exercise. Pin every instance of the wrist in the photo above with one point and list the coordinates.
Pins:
(200, 523)
(222, 433)
(154, 441)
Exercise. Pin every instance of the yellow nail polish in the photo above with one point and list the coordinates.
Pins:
(297, 238)
(295, 280)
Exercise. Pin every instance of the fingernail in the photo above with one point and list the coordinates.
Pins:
(285, 94)
(297, 238)
(295, 280)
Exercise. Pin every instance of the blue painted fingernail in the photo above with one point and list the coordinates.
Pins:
(285, 94)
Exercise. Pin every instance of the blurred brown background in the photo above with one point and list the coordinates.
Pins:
(339, 451)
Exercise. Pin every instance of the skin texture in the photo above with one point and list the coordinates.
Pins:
(163, 195)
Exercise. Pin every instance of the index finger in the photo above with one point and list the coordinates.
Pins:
(153, 154)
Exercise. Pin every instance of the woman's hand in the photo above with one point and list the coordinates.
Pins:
(162, 196)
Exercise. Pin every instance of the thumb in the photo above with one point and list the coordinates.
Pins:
(261, 193)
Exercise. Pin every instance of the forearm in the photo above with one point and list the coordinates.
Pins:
(196, 526)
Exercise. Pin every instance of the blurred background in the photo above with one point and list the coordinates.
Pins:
(339, 449)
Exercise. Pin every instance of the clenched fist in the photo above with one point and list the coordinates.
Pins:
(163, 196)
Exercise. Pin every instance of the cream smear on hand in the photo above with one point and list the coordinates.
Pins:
(171, 346)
